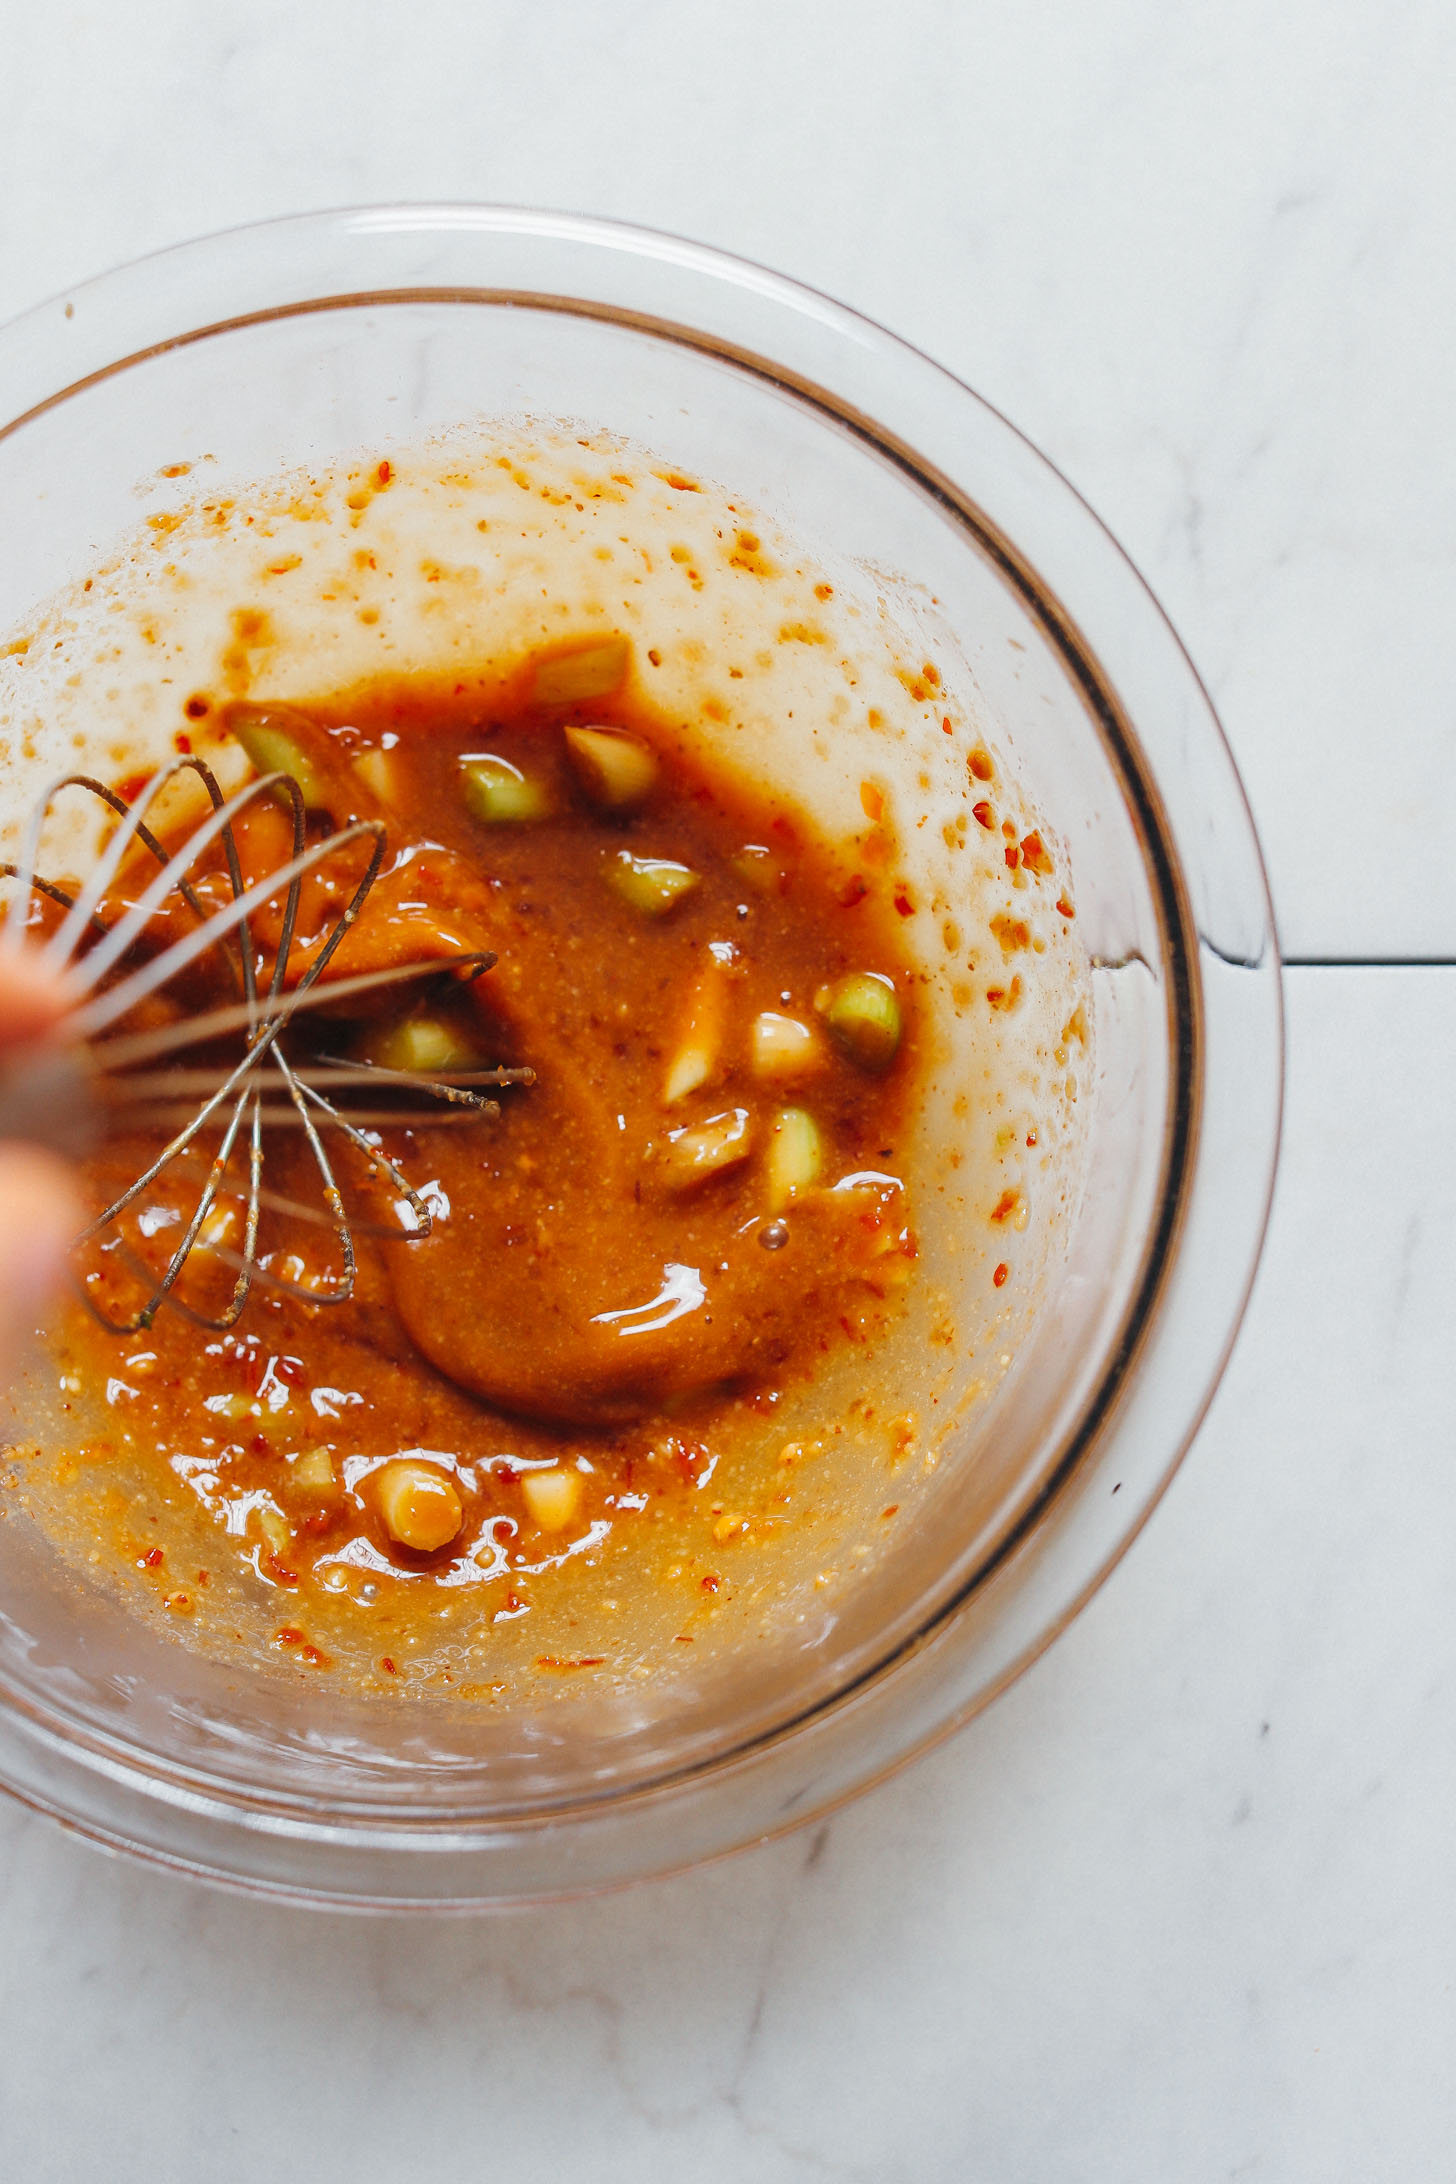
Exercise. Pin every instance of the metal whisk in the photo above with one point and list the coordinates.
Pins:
(100, 1077)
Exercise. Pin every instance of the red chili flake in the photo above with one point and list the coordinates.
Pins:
(999, 1277)
(985, 815)
(314, 1658)
(903, 903)
(711, 1582)
(1033, 853)
(182, 743)
(980, 765)
(852, 893)
(1013, 933)
(514, 1603)
(289, 1369)
(198, 706)
(507, 1473)
(388, 1666)
(289, 1634)
(1065, 907)
(131, 788)
(690, 1458)
(152, 1559)
(384, 473)
(892, 1510)
(1005, 1206)
(1013, 855)
(1031, 1137)
(945, 726)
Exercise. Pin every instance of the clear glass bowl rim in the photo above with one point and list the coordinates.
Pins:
(28, 357)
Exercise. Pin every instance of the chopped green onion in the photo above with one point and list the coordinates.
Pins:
(795, 1158)
(424, 1046)
(616, 770)
(269, 734)
(591, 671)
(758, 867)
(863, 1015)
(651, 884)
(500, 794)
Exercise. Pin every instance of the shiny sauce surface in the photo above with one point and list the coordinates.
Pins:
(698, 1200)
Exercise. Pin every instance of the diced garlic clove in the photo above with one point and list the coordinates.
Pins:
(499, 794)
(616, 771)
(782, 1047)
(276, 1530)
(691, 1155)
(795, 1157)
(552, 1498)
(650, 884)
(234, 1407)
(419, 1505)
(380, 776)
(699, 1054)
(220, 1225)
(589, 671)
(313, 1472)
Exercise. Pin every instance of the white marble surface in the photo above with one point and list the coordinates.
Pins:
(1181, 1906)
(1203, 255)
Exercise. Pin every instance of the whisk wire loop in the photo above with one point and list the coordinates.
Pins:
(89, 952)
(133, 828)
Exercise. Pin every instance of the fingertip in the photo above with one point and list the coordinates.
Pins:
(40, 1216)
(31, 1001)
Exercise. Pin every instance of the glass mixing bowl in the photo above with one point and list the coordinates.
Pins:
(296, 343)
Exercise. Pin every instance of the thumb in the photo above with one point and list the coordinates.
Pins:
(40, 1214)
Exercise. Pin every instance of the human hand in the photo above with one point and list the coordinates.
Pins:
(40, 1210)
